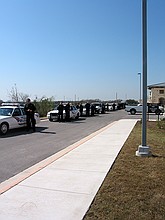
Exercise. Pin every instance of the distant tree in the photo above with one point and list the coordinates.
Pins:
(131, 102)
(13, 94)
(44, 105)
(23, 96)
(1, 102)
(16, 96)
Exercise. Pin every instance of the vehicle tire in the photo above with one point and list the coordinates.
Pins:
(133, 111)
(77, 117)
(157, 112)
(53, 120)
(4, 127)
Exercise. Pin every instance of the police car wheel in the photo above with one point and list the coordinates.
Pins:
(77, 116)
(4, 127)
(157, 112)
(133, 111)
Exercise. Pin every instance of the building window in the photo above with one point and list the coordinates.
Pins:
(161, 91)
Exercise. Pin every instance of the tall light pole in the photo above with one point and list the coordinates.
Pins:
(144, 150)
(140, 98)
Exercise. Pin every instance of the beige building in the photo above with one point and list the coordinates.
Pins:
(157, 93)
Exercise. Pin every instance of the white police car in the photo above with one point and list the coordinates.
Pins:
(13, 117)
(53, 115)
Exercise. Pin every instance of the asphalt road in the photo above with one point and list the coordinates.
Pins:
(20, 150)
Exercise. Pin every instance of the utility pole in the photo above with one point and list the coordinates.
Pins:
(144, 150)
(140, 98)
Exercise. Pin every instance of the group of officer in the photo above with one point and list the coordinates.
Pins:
(61, 109)
(90, 110)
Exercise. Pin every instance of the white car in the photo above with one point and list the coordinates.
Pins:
(98, 107)
(13, 117)
(53, 115)
(151, 108)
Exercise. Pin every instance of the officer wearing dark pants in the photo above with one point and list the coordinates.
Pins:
(29, 111)
(81, 110)
(87, 109)
(93, 110)
(60, 112)
(114, 106)
(67, 111)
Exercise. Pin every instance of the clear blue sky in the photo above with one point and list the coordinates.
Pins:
(79, 48)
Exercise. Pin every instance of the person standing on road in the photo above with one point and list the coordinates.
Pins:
(60, 112)
(93, 110)
(103, 109)
(87, 109)
(81, 110)
(78, 106)
(29, 111)
(67, 110)
(114, 106)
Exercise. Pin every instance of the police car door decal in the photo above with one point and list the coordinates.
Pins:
(19, 117)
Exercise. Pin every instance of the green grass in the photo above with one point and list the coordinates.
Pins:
(134, 188)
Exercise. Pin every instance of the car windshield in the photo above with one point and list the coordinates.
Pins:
(6, 111)
(72, 107)
(96, 105)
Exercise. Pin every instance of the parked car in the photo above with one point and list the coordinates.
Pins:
(13, 117)
(109, 106)
(53, 115)
(151, 108)
(98, 107)
(84, 110)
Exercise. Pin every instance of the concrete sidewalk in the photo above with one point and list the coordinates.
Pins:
(63, 186)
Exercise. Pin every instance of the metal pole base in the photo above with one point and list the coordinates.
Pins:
(143, 151)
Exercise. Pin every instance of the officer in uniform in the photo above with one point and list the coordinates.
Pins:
(87, 109)
(60, 111)
(67, 110)
(29, 111)
(81, 109)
